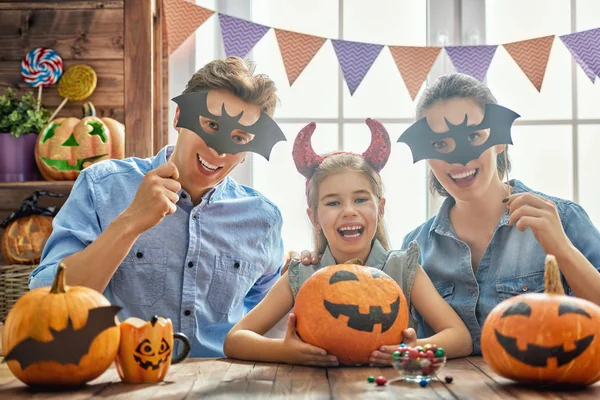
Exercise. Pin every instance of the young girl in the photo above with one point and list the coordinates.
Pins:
(346, 208)
(485, 246)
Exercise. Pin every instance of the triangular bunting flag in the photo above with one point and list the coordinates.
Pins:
(239, 35)
(471, 60)
(356, 59)
(297, 51)
(585, 48)
(532, 56)
(182, 19)
(414, 64)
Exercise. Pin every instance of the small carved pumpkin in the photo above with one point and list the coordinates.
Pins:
(25, 238)
(146, 349)
(60, 335)
(544, 337)
(350, 311)
(67, 145)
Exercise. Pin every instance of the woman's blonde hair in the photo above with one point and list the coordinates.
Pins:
(336, 163)
(237, 76)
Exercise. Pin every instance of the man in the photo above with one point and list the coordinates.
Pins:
(173, 235)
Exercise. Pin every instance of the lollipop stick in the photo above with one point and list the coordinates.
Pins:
(59, 108)
(39, 98)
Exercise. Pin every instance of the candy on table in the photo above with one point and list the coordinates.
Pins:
(419, 360)
(371, 379)
(448, 379)
(41, 67)
(381, 380)
(78, 83)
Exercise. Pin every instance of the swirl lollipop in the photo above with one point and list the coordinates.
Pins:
(41, 67)
(78, 83)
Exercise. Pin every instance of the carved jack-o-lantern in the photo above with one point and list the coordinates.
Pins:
(67, 145)
(24, 239)
(350, 311)
(544, 337)
(146, 349)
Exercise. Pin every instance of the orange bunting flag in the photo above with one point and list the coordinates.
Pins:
(297, 50)
(532, 57)
(182, 18)
(414, 64)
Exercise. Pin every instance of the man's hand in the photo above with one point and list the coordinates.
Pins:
(310, 257)
(155, 198)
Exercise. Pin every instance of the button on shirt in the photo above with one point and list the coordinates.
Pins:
(512, 264)
(203, 267)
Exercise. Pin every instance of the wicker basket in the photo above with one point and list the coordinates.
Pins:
(13, 284)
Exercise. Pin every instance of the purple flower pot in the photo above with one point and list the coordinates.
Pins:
(17, 158)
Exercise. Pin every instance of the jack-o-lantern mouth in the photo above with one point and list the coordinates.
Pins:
(365, 322)
(149, 364)
(63, 165)
(537, 356)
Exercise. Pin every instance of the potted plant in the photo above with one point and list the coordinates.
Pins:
(20, 123)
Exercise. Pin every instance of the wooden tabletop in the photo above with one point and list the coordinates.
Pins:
(229, 379)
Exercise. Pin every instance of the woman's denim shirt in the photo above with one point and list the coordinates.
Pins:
(513, 262)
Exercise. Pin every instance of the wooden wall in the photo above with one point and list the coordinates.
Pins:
(121, 39)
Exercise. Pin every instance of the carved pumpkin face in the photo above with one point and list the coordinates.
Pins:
(362, 305)
(146, 349)
(24, 239)
(67, 145)
(543, 337)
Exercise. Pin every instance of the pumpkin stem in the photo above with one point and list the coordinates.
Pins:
(356, 261)
(59, 284)
(88, 109)
(154, 320)
(552, 277)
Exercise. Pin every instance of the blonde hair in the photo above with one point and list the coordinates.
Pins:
(341, 163)
(237, 76)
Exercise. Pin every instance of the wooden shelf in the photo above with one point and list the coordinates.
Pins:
(35, 185)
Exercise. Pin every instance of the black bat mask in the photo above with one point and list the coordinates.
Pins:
(421, 139)
(266, 131)
(69, 345)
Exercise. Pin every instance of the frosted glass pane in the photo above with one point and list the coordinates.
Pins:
(588, 94)
(281, 183)
(589, 165)
(315, 92)
(542, 158)
(382, 93)
(514, 20)
(405, 185)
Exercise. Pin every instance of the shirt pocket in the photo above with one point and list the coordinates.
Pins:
(446, 290)
(529, 283)
(231, 280)
(140, 280)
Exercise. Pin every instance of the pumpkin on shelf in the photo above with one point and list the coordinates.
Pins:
(350, 310)
(27, 230)
(546, 338)
(60, 335)
(67, 145)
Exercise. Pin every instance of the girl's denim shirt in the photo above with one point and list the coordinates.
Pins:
(512, 264)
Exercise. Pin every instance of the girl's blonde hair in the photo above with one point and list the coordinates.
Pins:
(343, 162)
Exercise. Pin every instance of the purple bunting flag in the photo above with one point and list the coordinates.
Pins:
(355, 59)
(471, 60)
(239, 35)
(585, 48)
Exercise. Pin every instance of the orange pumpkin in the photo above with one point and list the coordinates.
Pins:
(67, 145)
(51, 339)
(544, 337)
(146, 349)
(25, 238)
(351, 310)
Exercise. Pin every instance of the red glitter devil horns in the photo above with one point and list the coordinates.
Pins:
(307, 160)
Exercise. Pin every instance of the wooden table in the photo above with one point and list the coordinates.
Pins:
(228, 379)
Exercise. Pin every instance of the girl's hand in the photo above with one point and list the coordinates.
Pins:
(295, 351)
(383, 356)
(527, 210)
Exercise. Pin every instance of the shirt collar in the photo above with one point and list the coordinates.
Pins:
(442, 225)
(376, 258)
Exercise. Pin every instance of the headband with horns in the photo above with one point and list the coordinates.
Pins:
(307, 160)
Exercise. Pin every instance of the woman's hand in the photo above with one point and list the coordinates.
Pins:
(295, 351)
(527, 210)
(383, 356)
